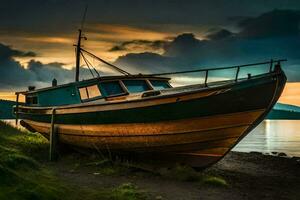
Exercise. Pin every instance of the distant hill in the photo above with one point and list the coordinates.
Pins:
(6, 109)
(284, 111)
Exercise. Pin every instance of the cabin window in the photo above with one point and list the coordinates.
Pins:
(111, 88)
(89, 92)
(134, 86)
(31, 100)
(159, 85)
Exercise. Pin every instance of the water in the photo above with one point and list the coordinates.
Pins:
(273, 136)
(270, 136)
(12, 122)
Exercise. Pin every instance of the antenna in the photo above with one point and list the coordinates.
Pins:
(78, 45)
(84, 16)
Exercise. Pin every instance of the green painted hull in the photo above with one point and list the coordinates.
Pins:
(244, 96)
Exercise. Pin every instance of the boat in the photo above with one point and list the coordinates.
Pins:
(143, 114)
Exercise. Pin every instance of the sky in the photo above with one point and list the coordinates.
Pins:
(37, 37)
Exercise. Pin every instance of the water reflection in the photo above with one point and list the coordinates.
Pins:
(273, 136)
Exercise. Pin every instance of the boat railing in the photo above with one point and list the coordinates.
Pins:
(237, 67)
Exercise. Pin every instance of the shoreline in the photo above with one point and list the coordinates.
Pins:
(76, 175)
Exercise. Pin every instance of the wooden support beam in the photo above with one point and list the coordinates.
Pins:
(17, 108)
(53, 138)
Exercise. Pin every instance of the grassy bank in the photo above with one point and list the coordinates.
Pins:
(24, 172)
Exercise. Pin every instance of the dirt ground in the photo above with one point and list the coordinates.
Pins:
(248, 175)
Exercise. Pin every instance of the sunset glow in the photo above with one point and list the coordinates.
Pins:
(101, 38)
(291, 94)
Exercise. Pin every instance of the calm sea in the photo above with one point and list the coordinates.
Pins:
(270, 136)
(273, 136)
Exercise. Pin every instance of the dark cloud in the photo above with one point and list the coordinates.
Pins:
(183, 45)
(176, 54)
(138, 44)
(15, 76)
(219, 35)
(12, 74)
(118, 48)
(188, 52)
(274, 23)
(53, 16)
(147, 61)
(7, 52)
(46, 72)
(273, 34)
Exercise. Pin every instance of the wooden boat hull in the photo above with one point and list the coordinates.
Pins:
(197, 127)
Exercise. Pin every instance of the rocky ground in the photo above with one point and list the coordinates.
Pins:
(237, 176)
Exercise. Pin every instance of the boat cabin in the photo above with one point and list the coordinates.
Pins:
(98, 89)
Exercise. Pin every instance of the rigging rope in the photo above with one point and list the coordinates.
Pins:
(87, 64)
(107, 63)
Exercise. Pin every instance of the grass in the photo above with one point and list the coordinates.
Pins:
(21, 175)
(25, 172)
(118, 166)
(214, 181)
(126, 191)
(188, 174)
(181, 173)
(24, 176)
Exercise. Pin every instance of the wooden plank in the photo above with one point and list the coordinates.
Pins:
(155, 128)
(153, 141)
(53, 139)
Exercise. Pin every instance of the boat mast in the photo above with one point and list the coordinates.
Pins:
(79, 53)
(78, 50)
(78, 45)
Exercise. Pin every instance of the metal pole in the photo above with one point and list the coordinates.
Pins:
(212, 69)
(206, 76)
(78, 49)
(237, 74)
(53, 138)
(271, 65)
